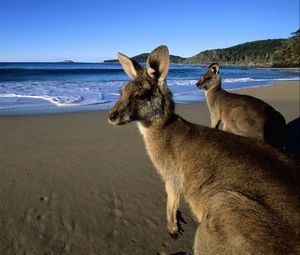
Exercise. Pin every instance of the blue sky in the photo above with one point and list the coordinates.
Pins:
(94, 30)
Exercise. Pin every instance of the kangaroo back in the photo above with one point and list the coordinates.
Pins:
(241, 114)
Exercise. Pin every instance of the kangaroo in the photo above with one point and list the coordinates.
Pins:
(244, 193)
(241, 114)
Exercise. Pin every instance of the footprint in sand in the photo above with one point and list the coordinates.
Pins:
(50, 200)
(67, 247)
(99, 196)
(45, 199)
(151, 222)
(41, 217)
(117, 206)
(70, 226)
(117, 215)
(28, 215)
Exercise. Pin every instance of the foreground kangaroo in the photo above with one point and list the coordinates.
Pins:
(244, 192)
(241, 114)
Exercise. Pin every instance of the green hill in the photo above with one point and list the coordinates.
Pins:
(266, 53)
(142, 58)
(257, 53)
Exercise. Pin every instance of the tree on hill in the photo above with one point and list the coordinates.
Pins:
(289, 54)
(297, 33)
(257, 53)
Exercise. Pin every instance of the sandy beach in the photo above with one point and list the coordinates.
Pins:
(73, 184)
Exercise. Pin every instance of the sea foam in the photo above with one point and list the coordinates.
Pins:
(29, 85)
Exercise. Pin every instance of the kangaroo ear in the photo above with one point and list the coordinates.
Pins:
(158, 63)
(131, 67)
(215, 68)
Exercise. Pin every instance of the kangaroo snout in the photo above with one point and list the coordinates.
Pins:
(119, 114)
(200, 83)
(113, 116)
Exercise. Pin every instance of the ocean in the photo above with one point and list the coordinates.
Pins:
(40, 88)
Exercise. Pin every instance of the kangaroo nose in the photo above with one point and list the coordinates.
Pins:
(198, 84)
(113, 116)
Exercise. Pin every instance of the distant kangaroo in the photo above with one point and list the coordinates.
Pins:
(241, 114)
(244, 193)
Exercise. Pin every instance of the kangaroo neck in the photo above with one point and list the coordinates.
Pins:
(213, 93)
(156, 126)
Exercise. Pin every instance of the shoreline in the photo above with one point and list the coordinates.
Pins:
(53, 110)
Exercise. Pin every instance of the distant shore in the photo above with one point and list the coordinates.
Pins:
(115, 61)
(73, 184)
(296, 69)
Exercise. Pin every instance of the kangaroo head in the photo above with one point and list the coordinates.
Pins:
(211, 78)
(146, 97)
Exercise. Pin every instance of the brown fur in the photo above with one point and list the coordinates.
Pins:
(241, 114)
(243, 193)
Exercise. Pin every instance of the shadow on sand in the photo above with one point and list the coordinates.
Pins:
(293, 142)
